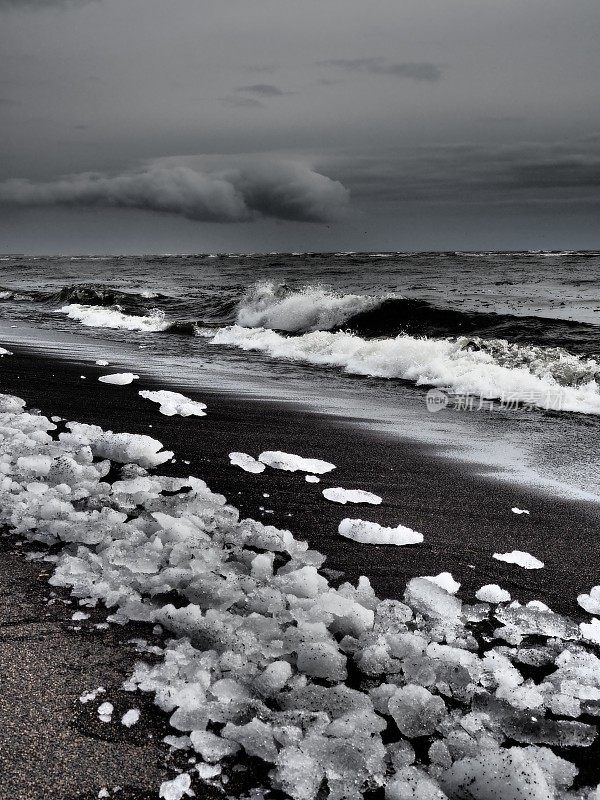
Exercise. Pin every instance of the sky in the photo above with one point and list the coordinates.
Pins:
(260, 125)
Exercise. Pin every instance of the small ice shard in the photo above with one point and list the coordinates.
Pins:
(5, 352)
(79, 616)
(246, 462)
(360, 530)
(177, 788)
(343, 496)
(211, 747)
(445, 580)
(416, 711)
(516, 510)
(312, 479)
(492, 593)
(89, 696)
(290, 462)
(590, 602)
(520, 558)
(119, 378)
(591, 630)
(174, 404)
(102, 362)
(130, 717)
(105, 711)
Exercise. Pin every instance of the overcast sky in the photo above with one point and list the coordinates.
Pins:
(223, 125)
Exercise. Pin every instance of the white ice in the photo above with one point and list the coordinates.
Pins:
(372, 533)
(246, 462)
(520, 558)
(343, 496)
(174, 404)
(492, 593)
(119, 378)
(289, 462)
(516, 510)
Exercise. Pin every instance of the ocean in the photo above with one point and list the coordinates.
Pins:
(493, 357)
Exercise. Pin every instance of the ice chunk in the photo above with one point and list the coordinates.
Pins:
(321, 660)
(497, 775)
(9, 402)
(445, 581)
(246, 462)
(298, 774)
(431, 600)
(312, 479)
(591, 630)
(410, 783)
(105, 711)
(130, 717)
(416, 711)
(293, 463)
(174, 404)
(590, 602)
(520, 558)
(102, 362)
(211, 747)
(119, 378)
(79, 616)
(492, 593)
(255, 737)
(365, 532)
(5, 352)
(519, 510)
(176, 788)
(343, 496)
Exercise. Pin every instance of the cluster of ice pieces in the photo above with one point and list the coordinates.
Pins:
(338, 692)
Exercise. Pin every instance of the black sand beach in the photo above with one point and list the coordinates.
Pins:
(464, 518)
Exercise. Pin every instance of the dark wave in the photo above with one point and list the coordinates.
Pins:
(420, 318)
(97, 295)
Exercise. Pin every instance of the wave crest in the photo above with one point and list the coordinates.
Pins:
(100, 317)
(276, 306)
(492, 369)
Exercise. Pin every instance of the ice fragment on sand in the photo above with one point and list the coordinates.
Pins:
(492, 593)
(416, 711)
(5, 352)
(119, 378)
(130, 717)
(520, 558)
(293, 463)
(79, 616)
(445, 581)
(105, 712)
(211, 747)
(174, 404)
(177, 788)
(590, 602)
(360, 530)
(497, 775)
(591, 630)
(102, 362)
(312, 479)
(343, 496)
(89, 696)
(246, 462)
(431, 600)
(516, 510)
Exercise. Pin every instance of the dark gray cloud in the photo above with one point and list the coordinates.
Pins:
(287, 191)
(419, 71)
(41, 5)
(263, 89)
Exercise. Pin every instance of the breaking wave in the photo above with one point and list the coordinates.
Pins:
(268, 305)
(99, 317)
(549, 378)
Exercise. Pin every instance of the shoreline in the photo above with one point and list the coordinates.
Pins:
(464, 517)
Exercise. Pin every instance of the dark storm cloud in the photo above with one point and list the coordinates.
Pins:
(426, 72)
(288, 191)
(40, 4)
(264, 89)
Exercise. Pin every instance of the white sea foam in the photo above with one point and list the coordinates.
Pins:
(268, 305)
(552, 379)
(99, 317)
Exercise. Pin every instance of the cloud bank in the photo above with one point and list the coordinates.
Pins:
(287, 191)
(426, 72)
